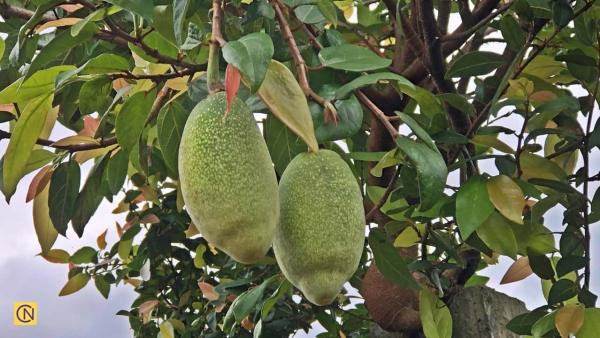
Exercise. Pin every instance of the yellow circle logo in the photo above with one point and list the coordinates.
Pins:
(25, 313)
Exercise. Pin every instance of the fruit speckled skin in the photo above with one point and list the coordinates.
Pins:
(227, 179)
(320, 236)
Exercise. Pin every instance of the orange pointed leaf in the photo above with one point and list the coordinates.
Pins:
(232, 84)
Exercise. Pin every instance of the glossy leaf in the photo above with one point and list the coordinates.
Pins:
(286, 100)
(352, 58)
(44, 229)
(366, 80)
(435, 316)
(473, 205)
(75, 284)
(171, 120)
(25, 134)
(64, 188)
(562, 290)
(89, 198)
(497, 234)
(252, 55)
(131, 118)
(474, 63)
(391, 265)
(431, 170)
(283, 145)
(507, 197)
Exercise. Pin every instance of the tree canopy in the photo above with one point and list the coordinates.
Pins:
(463, 122)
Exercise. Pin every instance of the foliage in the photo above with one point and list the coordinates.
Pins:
(122, 76)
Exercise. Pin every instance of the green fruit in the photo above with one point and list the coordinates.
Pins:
(227, 179)
(320, 236)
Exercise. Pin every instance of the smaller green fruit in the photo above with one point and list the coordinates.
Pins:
(320, 236)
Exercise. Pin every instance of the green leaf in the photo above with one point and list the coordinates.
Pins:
(562, 12)
(512, 33)
(418, 130)
(522, 323)
(44, 229)
(105, 63)
(547, 111)
(591, 324)
(474, 63)
(492, 141)
(180, 8)
(116, 171)
(497, 234)
(349, 119)
(131, 118)
(435, 316)
(431, 170)
(64, 188)
(389, 262)
(283, 145)
(25, 134)
(75, 284)
(329, 11)
(459, 102)
(283, 289)
(309, 14)
(473, 205)
(507, 197)
(562, 290)
(102, 285)
(94, 95)
(534, 166)
(171, 121)
(96, 15)
(155, 41)
(84, 255)
(352, 58)
(41, 83)
(2, 47)
(543, 325)
(139, 7)
(198, 258)
(166, 330)
(59, 46)
(533, 238)
(390, 159)
(251, 54)
(246, 302)
(366, 80)
(282, 94)
(89, 198)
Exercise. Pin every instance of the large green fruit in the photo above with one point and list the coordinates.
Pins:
(320, 236)
(227, 179)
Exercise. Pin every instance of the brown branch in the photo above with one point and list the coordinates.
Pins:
(161, 98)
(102, 143)
(217, 18)
(391, 185)
(9, 11)
(301, 69)
(378, 113)
(485, 21)
(443, 16)
(158, 77)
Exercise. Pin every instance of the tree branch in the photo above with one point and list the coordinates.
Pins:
(102, 143)
(378, 113)
(485, 21)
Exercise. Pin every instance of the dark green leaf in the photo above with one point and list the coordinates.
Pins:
(570, 263)
(391, 265)
(418, 130)
(541, 265)
(522, 323)
(89, 198)
(349, 120)
(474, 63)
(171, 121)
(366, 80)
(282, 143)
(105, 63)
(94, 95)
(329, 10)
(243, 305)
(309, 14)
(116, 171)
(473, 205)
(180, 8)
(459, 102)
(562, 290)
(251, 54)
(131, 118)
(548, 110)
(102, 285)
(512, 32)
(562, 12)
(431, 170)
(352, 58)
(64, 187)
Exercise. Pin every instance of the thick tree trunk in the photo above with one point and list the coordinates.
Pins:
(477, 311)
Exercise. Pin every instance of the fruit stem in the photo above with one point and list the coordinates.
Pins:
(213, 77)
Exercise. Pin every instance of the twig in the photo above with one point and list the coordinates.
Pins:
(161, 98)
(213, 77)
(371, 214)
(329, 110)
(102, 143)
(158, 77)
(467, 33)
(379, 114)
